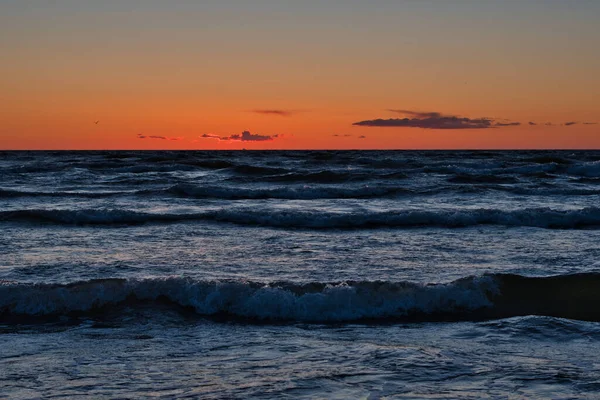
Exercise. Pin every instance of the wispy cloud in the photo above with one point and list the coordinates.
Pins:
(207, 136)
(274, 112)
(570, 123)
(245, 136)
(416, 114)
(590, 123)
(532, 123)
(507, 124)
(156, 137)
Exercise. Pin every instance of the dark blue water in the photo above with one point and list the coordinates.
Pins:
(309, 274)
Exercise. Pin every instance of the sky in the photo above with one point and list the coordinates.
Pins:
(310, 74)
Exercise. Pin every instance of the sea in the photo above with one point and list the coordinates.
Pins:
(300, 274)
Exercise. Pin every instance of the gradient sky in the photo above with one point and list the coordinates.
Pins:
(299, 73)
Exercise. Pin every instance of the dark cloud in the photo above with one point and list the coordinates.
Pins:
(140, 136)
(417, 114)
(570, 123)
(245, 136)
(362, 137)
(532, 123)
(430, 123)
(435, 120)
(279, 113)
(507, 124)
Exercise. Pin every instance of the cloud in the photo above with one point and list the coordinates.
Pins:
(362, 137)
(429, 123)
(532, 123)
(435, 120)
(583, 123)
(570, 123)
(245, 136)
(507, 124)
(279, 113)
(416, 114)
(140, 136)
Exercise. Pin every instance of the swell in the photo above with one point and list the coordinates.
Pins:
(473, 298)
(188, 190)
(324, 176)
(287, 192)
(14, 193)
(585, 218)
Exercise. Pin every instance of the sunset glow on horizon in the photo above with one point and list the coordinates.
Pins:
(265, 74)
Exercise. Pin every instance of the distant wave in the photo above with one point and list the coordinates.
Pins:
(476, 179)
(8, 193)
(534, 217)
(473, 298)
(291, 192)
(326, 176)
(287, 192)
(229, 192)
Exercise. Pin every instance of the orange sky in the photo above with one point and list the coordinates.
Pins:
(145, 68)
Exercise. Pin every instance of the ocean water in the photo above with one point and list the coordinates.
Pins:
(309, 274)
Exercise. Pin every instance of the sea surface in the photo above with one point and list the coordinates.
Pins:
(300, 274)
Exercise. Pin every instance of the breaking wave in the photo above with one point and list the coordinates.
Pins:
(287, 192)
(483, 297)
(585, 218)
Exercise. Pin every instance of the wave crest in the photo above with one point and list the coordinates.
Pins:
(342, 301)
(491, 296)
(585, 218)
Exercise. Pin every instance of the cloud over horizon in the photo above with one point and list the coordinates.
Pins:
(245, 136)
(507, 124)
(434, 120)
(429, 123)
(157, 137)
(274, 112)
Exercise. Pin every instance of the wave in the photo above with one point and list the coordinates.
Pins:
(291, 193)
(229, 193)
(586, 218)
(473, 298)
(476, 179)
(462, 184)
(328, 176)
(13, 193)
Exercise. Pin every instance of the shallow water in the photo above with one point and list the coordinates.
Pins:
(300, 274)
